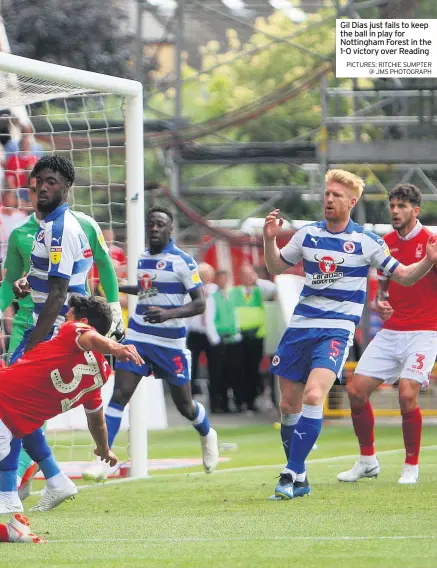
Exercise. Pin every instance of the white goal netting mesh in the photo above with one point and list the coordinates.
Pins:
(88, 128)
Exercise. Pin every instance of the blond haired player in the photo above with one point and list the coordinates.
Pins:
(337, 254)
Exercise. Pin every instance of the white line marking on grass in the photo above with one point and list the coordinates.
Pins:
(245, 538)
(331, 459)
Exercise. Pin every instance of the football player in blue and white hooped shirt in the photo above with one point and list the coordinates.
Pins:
(337, 254)
(60, 261)
(166, 275)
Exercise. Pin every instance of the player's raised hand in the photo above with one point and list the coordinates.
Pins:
(272, 225)
(155, 314)
(125, 353)
(21, 288)
(106, 455)
(431, 249)
(383, 309)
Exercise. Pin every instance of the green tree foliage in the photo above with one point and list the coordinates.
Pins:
(87, 34)
(240, 75)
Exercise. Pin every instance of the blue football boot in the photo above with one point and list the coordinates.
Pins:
(301, 488)
(284, 489)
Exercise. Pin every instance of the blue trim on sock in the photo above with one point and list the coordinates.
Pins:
(49, 467)
(204, 426)
(116, 405)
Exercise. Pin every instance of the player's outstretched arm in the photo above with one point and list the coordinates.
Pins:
(129, 289)
(97, 428)
(93, 341)
(156, 314)
(58, 288)
(409, 275)
(272, 228)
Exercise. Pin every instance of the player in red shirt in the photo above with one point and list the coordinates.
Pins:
(406, 347)
(55, 376)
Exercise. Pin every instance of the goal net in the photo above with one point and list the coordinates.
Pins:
(97, 122)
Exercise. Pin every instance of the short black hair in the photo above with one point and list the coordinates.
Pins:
(406, 192)
(95, 309)
(55, 163)
(160, 209)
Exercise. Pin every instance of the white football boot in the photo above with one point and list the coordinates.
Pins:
(360, 470)
(409, 475)
(51, 497)
(99, 470)
(210, 450)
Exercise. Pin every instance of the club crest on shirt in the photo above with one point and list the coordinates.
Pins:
(55, 255)
(276, 360)
(419, 250)
(328, 269)
(40, 236)
(146, 284)
(161, 264)
(349, 247)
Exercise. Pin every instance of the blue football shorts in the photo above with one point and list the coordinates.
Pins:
(173, 365)
(303, 349)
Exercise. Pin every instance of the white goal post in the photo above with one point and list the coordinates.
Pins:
(25, 81)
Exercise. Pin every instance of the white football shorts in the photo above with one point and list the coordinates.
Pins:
(5, 440)
(393, 355)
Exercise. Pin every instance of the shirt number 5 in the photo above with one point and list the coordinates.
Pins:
(79, 371)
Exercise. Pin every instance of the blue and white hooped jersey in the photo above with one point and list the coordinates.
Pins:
(164, 280)
(60, 249)
(336, 267)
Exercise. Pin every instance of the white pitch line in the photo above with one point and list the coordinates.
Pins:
(332, 459)
(244, 538)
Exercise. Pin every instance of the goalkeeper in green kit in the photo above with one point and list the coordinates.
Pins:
(17, 264)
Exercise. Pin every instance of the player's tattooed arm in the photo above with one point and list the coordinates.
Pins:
(382, 304)
(97, 428)
(156, 314)
(58, 288)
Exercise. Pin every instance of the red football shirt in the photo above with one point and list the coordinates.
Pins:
(18, 167)
(51, 378)
(415, 307)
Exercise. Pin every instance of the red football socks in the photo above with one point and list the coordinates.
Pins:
(412, 431)
(364, 422)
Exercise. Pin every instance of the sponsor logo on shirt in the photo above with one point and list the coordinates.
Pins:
(146, 284)
(55, 255)
(87, 253)
(195, 277)
(328, 268)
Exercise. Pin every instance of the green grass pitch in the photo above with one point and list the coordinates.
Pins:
(189, 519)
